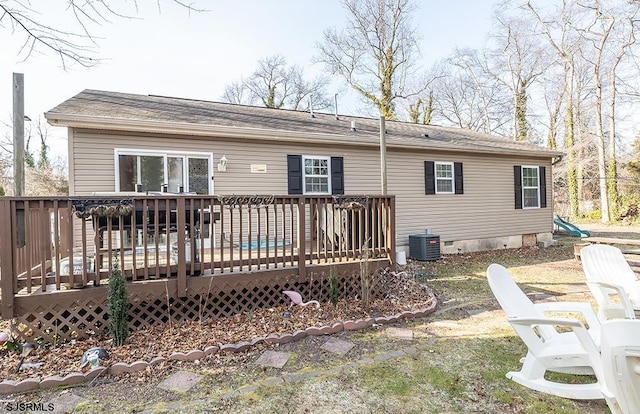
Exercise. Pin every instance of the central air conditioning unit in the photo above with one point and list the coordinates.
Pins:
(424, 247)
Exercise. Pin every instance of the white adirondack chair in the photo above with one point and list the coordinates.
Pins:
(621, 362)
(608, 274)
(548, 349)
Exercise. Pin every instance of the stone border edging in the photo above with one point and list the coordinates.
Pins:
(119, 368)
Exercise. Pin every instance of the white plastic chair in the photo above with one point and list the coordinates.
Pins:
(333, 226)
(621, 362)
(597, 361)
(609, 274)
(548, 349)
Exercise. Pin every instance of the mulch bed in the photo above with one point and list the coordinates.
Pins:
(401, 294)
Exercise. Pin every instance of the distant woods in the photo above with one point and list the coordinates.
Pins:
(559, 74)
(45, 175)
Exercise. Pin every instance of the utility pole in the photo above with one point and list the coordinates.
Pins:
(383, 156)
(18, 134)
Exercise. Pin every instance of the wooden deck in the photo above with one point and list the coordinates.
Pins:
(56, 255)
(613, 241)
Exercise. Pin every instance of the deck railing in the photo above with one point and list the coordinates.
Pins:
(48, 244)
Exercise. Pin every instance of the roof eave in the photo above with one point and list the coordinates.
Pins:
(185, 128)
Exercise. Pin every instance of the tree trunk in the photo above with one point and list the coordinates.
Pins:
(572, 177)
(612, 167)
(522, 131)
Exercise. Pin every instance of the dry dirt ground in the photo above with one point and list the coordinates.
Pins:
(460, 355)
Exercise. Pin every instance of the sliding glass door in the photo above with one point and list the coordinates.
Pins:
(151, 171)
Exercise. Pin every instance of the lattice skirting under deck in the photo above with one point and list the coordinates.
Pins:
(49, 317)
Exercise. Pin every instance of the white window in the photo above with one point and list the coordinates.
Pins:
(150, 171)
(530, 187)
(316, 175)
(444, 178)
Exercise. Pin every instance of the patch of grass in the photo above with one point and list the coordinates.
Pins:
(293, 357)
(402, 378)
(443, 380)
(570, 379)
(385, 379)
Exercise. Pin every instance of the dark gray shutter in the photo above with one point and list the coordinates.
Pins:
(429, 177)
(337, 175)
(457, 176)
(543, 186)
(517, 185)
(294, 174)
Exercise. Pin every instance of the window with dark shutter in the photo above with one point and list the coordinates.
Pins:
(314, 174)
(443, 178)
(530, 186)
(294, 174)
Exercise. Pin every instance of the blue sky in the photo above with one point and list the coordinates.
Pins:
(194, 55)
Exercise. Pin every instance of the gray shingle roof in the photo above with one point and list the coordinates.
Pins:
(94, 104)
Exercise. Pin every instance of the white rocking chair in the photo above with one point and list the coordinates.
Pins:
(609, 274)
(621, 363)
(548, 349)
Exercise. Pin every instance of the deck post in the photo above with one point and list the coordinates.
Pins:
(302, 240)
(182, 259)
(392, 231)
(7, 252)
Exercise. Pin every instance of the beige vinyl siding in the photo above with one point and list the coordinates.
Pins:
(485, 210)
(94, 159)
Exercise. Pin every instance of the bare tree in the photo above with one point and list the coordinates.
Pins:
(470, 97)
(422, 107)
(597, 38)
(626, 38)
(376, 53)
(516, 60)
(557, 29)
(554, 90)
(275, 84)
(271, 82)
(598, 34)
(237, 93)
(72, 45)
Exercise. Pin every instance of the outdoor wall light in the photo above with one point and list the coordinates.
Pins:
(222, 164)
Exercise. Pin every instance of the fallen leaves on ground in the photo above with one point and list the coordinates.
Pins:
(401, 294)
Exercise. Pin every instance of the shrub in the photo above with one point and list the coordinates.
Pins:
(334, 293)
(594, 215)
(629, 208)
(118, 303)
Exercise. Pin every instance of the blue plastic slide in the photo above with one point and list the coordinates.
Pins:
(572, 229)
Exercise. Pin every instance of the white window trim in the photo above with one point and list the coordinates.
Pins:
(537, 188)
(452, 179)
(304, 174)
(165, 154)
